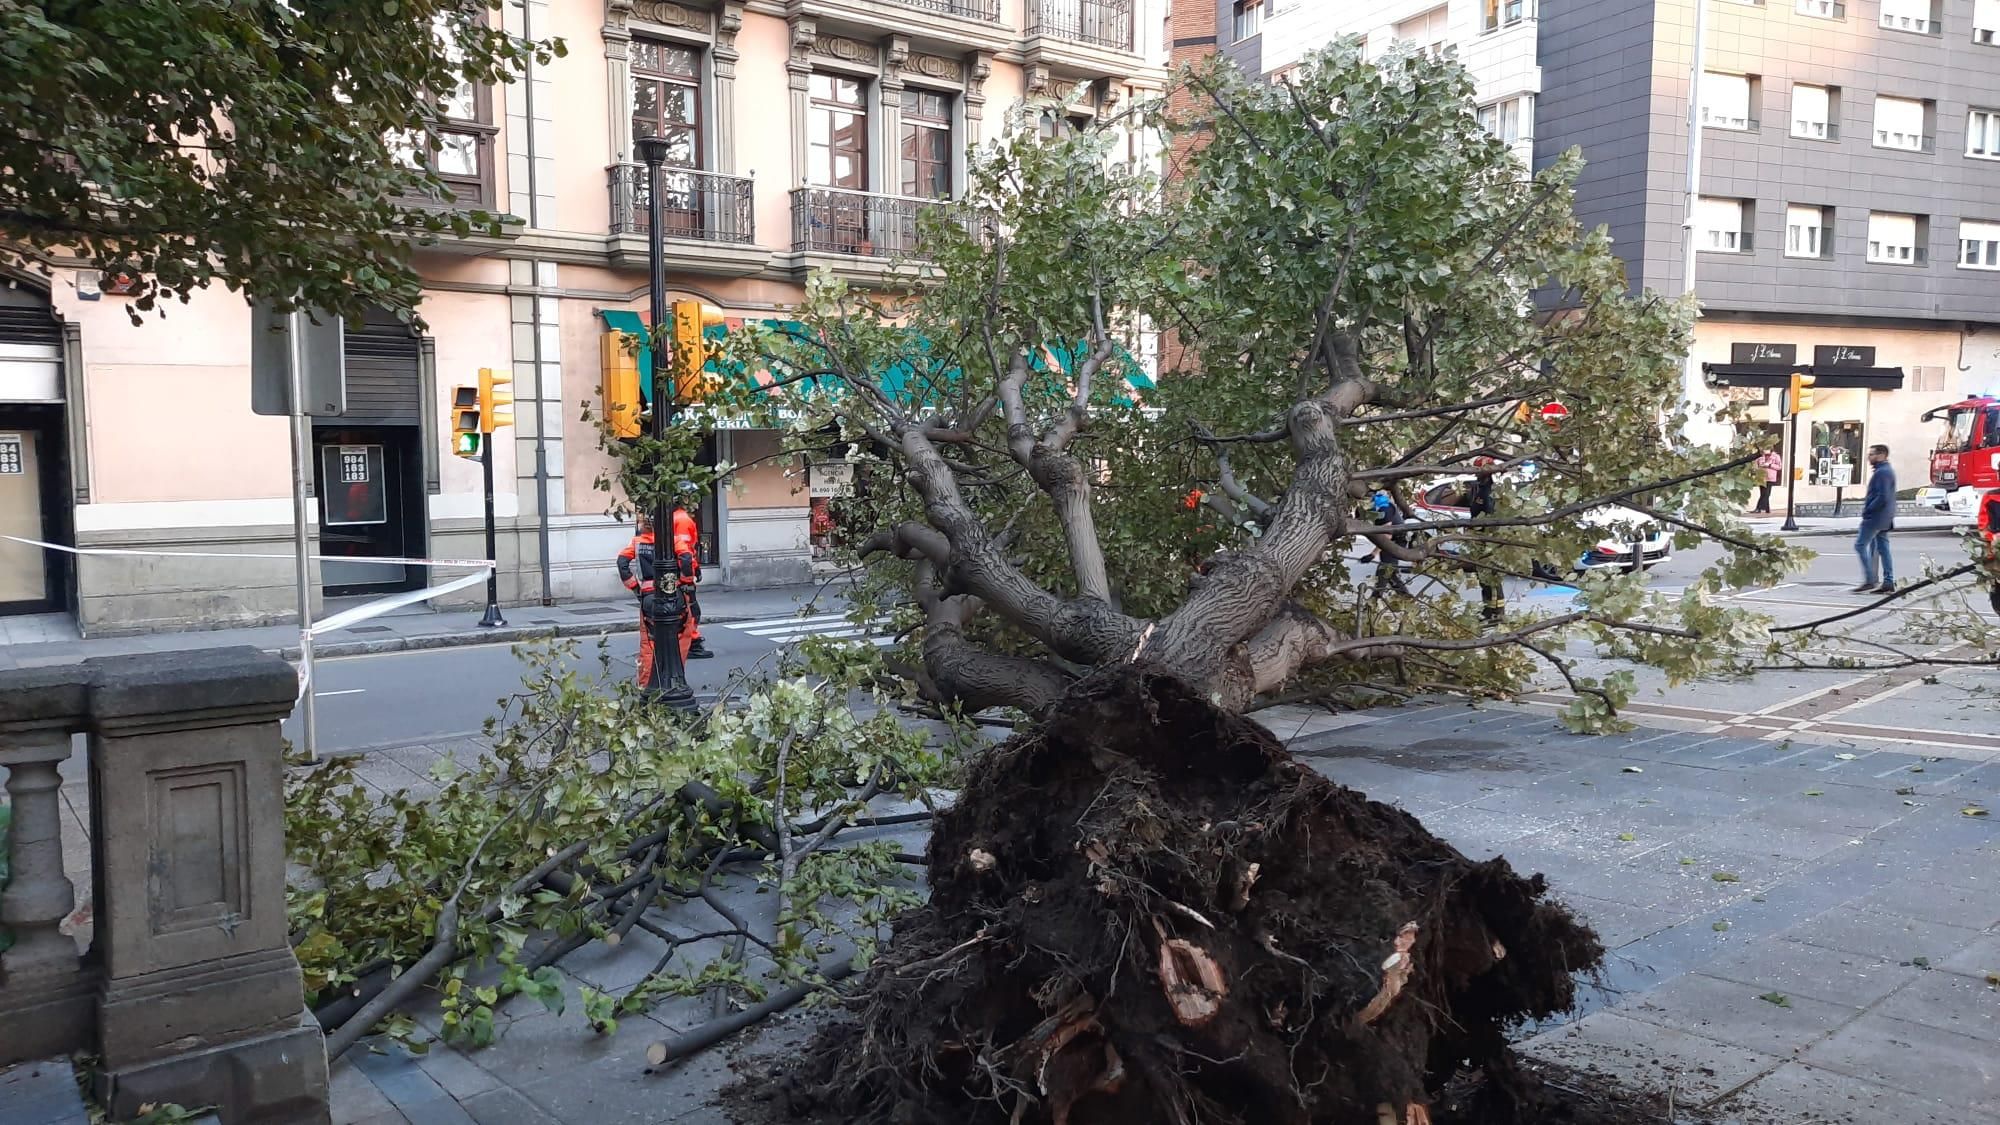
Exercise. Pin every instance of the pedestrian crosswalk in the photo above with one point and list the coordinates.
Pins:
(833, 626)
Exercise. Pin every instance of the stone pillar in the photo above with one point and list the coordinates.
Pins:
(201, 1002)
(45, 994)
(728, 21)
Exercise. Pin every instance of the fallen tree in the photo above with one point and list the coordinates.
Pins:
(1142, 909)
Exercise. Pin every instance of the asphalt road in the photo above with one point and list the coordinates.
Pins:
(395, 699)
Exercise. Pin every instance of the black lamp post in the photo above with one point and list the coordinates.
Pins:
(667, 610)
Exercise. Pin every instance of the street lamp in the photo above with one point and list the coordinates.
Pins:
(667, 611)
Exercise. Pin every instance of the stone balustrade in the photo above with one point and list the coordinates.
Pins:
(189, 992)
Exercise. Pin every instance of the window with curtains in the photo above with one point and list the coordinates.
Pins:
(1824, 9)
(1720, 222)
(1899, 123)
(1918, 16)
(1427, 30)
(1496, 14)
(1726, 101)
(837, 132)
(927, 147)
(1892, 239)
(1812, 112)
(1979, 245)
(1806, 232)
(666, 98)
(1248, 20)
(1982, 134)
(1510, 120)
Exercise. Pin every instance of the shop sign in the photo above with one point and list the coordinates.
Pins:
(1763, 353)
(1843, 355)
(830, 478)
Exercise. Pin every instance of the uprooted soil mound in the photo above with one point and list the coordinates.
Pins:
(1146, 911)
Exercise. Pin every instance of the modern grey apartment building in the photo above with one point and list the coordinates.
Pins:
(1850, 193)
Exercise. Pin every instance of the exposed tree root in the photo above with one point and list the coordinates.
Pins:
(1147, 911)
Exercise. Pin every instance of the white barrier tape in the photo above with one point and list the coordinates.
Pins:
(393, 560)
(339, 621)
(382, 605)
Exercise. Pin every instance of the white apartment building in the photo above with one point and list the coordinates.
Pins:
(1495, 39)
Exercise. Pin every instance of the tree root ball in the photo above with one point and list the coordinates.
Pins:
(1145, 910)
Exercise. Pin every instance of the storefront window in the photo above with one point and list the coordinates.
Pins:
(1836, 454)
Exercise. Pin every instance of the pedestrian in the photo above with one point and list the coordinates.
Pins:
(1479, 502)
(687, 553)
(1772, 464)
(1388, 571)
(637, 570)
(1878, 519)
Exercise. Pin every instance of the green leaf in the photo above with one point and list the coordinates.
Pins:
(1726, 877)
(1778, 998)
(1719, 927)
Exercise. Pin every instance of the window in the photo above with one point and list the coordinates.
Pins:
(458, 150)
(1813, 114)
(1427, 30)
(1986, 22)
(1510, 121)
(666, 98)
(1926, 379)
(1725, 101)
(927, 145)
(1892, 239)
(1249, 18)
(1497, 14)
(1909, 15)
(1719, 223)
(837, 132)
(1982, 133)
(1805, 232)
(1899, 123)
(1978, 245)
(1824, 9)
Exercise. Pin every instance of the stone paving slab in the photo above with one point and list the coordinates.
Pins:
(41, 1093)
(1841, 900)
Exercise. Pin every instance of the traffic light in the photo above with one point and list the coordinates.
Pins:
(465, 440)
(623, 407)
(496, 402)
(691, 383)
(1802, 392)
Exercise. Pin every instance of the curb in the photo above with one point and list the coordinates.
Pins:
(510, 634)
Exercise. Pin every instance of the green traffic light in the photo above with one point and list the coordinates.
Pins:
(468, 445)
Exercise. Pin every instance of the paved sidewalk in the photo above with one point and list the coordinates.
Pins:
(1838, 972)
(414, 627)
(1822, 525)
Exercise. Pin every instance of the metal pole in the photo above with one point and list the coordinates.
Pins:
(1791, 473)
(535, 319)
(492, 617)
(1691, 386)
(669, 677)
(302, 512)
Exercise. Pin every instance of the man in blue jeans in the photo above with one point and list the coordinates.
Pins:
(1878, 518)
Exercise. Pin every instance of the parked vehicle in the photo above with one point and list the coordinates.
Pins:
(1965, 463)
(1447, 499)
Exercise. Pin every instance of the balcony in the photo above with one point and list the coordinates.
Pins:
(857, 234)
(963, 9)
(710, 220)
(1093, 23)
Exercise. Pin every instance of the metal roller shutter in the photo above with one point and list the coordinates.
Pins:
(29, 326)
(383, 374)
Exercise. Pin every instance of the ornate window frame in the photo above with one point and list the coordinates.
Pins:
(889, 66)
(709, 27)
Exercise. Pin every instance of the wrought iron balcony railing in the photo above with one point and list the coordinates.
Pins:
(706, 206)
(829, 220)
(1100, 23)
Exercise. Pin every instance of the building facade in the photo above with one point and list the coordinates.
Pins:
(806, 134)
(1849, 215)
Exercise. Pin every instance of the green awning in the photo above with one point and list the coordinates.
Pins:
(899, 380)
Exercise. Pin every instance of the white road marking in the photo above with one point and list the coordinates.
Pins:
(832, 626)
(343, 691)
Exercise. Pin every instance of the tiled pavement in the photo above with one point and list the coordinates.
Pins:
(1840, 976)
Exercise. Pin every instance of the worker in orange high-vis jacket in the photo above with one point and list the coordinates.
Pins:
(637, 570)
(687, 554)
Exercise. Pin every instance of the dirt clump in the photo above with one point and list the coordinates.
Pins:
(1144, 910)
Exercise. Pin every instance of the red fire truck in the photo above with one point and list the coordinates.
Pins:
(1965, 464)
